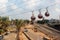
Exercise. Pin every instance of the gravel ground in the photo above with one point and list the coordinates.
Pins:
(11, 36)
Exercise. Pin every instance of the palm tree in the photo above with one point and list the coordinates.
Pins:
(19, 24)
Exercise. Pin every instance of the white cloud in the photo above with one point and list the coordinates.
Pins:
(25, 0)
(57, 1)
(31, 3)
(57, 10)
(3, 1)
(57, 7)
(16, 9)
(14, 6)
(3, 5)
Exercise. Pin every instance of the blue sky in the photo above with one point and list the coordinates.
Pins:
(20, 9)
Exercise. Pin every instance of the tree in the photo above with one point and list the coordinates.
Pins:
(1, 31)
(19, 24)
(5, 23)
(26, 21)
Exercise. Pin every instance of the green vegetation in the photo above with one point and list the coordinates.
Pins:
(42, 21)
(5, 24)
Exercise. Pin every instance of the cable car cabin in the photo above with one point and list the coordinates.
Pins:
(46, 14)
(40, 16)
(33, 18)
